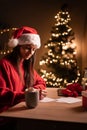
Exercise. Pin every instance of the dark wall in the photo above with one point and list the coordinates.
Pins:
(40, 14)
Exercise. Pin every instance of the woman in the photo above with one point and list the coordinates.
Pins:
(17, 68)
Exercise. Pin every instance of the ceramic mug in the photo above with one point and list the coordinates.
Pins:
(31, 98)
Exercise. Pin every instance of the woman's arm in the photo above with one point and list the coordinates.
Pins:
(40, 84)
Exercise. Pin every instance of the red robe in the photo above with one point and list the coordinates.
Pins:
(11, 86)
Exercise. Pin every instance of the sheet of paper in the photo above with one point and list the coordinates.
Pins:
(47, 99)
(68, 100)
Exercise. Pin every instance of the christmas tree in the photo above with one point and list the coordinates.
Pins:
(59, 65)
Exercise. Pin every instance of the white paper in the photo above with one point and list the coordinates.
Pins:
(68, 100)
(47, 99)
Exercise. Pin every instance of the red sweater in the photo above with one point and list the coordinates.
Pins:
(11, 86)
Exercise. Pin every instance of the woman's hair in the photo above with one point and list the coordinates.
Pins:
(28, 65)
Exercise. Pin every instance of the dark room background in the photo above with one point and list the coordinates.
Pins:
(40, 15)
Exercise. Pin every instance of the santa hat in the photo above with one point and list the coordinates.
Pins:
(25, 35)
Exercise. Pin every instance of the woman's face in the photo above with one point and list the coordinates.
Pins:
(27, 51)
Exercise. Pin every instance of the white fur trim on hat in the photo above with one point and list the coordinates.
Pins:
(27, 38)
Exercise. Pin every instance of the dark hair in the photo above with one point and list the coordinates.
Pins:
(28, 66)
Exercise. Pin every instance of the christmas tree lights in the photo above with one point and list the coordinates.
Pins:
(61, 56)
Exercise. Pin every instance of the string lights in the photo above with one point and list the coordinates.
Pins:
(3, 31)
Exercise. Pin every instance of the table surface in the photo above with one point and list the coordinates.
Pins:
(52, 111)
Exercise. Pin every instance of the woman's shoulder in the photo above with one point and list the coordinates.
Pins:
(5, 64)
(4, 61)
(36, 74)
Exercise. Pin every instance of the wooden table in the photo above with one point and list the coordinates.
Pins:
(50, 115)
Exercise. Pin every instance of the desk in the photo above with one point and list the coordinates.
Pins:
(51, 115)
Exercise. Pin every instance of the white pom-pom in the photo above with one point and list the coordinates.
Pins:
(13, 42)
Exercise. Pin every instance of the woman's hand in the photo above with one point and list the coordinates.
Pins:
(43, 93)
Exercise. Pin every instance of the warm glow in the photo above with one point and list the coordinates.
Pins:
(61, 55)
